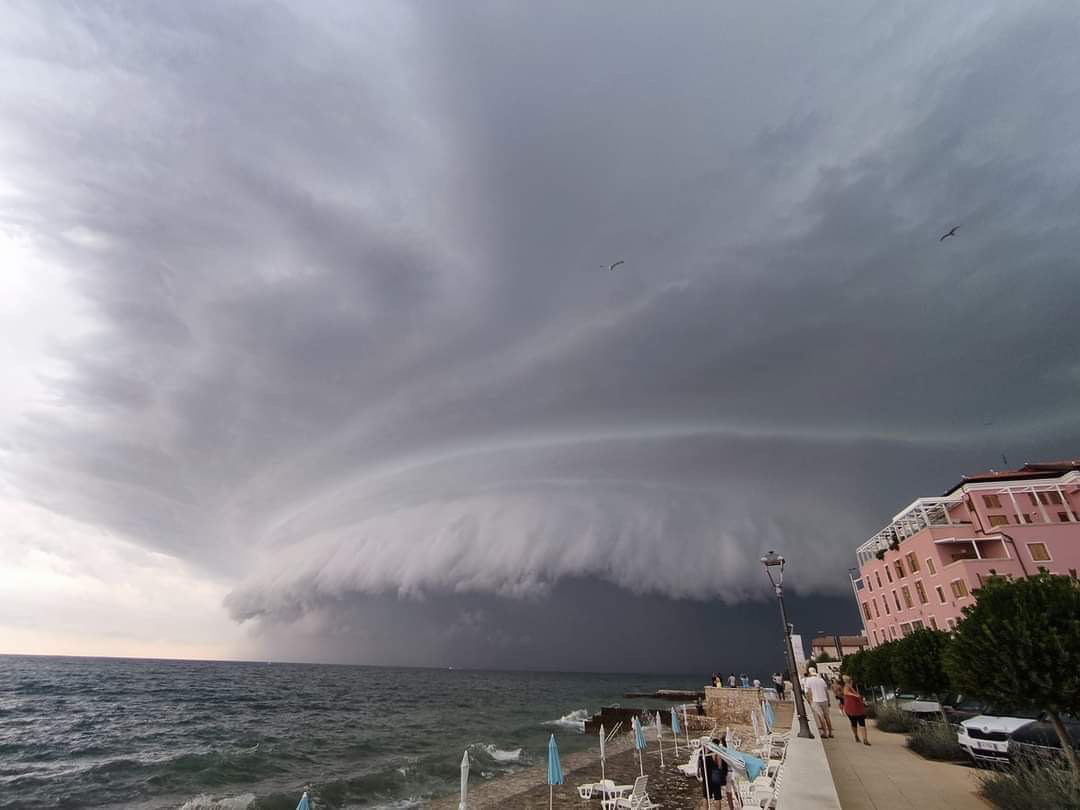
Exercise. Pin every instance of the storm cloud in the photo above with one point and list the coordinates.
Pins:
(332, 324)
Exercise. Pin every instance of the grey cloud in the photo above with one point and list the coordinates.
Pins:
(351, 335)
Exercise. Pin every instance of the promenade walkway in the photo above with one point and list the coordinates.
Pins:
(887, 776)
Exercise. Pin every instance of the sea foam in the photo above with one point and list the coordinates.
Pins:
(575, 720)
(206, 802)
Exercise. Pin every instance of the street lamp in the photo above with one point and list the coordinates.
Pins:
(770, 561)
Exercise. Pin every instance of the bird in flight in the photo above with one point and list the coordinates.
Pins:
(616, 264)
(952, 232)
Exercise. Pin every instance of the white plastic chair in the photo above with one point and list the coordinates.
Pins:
(634, 801)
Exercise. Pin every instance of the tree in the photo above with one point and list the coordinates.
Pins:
(824, 658)
(918, 665)
(877, 668)
(1019, 645)
(855, 666)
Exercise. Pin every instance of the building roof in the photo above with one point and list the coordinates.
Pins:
(845, 641)
(1040, 469)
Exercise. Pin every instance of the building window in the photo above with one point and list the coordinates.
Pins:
(940, 594)
(899, 568)
(1063, 517)
(866, 611)
(877, 610)
(885, 604)
(1028, 518)
(888, 573)
(933, 623)
(912, 562)
(921, 591)
(876, 639)
(917, 625)
(893, 630)
(959, 588)
(1039, 552)
(907, 596)
(991, 501)
(896, 599)
(905, 629)
(999, 520)
(950, 623)
(877, 576)
(869, 585)
(1047, 498)
(930, 566)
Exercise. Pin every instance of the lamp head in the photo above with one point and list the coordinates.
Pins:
(770, 561)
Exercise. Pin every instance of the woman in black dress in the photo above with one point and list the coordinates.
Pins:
(713, 772)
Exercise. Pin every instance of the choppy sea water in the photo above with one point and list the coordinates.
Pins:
(91, 732)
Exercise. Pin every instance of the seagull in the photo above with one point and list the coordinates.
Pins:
(616, 264)
(952, 232)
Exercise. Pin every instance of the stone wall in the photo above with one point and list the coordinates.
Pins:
(731, 705)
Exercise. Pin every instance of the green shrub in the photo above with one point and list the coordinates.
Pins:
(1031, 785)
(935, 741)
(893, 720)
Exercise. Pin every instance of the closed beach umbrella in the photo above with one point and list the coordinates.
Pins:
(675, 730)
(603, 742)
(639, 743)
(660, 738)
(464, 780)
(554, 775)
(770, 718)
(305, 802)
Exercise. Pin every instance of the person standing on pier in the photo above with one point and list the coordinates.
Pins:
(731, 681)
(778, 679)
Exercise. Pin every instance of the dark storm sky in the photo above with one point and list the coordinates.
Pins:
(310, 336)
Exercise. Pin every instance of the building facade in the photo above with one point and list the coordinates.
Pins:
(926, 565)
(837, 646)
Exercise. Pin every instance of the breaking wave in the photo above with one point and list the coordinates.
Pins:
(575, 720)
(206, 802)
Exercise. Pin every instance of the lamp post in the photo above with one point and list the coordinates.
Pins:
(770, 561)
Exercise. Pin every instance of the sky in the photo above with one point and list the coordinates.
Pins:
(309, 349)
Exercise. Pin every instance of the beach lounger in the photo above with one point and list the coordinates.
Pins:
(605, 788)
(637, 799)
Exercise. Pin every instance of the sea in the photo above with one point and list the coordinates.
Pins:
(196, 735)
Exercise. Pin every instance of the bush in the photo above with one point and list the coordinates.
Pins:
(894, 720)
(936, 741)
(871, 711)
(1031, 785)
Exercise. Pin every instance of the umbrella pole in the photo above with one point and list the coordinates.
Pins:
(551, 796)
(641, 762)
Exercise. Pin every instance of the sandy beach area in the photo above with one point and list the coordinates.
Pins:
(528, 789)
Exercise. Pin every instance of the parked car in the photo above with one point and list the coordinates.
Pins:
(959, 708)
(918, 705)
(1039, 739)
(985, 737)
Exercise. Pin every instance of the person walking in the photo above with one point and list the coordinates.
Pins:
(819, 701)
(778, 680)
(713, 772)
(855, 709)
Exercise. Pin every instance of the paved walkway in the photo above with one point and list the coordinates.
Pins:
(887, 776)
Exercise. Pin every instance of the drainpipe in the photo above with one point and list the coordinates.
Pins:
(980, 530)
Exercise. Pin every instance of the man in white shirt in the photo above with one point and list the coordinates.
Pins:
(818, 694)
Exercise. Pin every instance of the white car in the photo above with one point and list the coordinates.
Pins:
(986, 737)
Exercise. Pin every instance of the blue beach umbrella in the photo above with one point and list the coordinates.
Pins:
(639, 743)
(675, 730)
(770, 718)
(305, 802)
(554, 774)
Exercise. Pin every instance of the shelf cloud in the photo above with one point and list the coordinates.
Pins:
(313, 299)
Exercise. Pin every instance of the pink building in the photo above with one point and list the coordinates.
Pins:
(923, 568)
